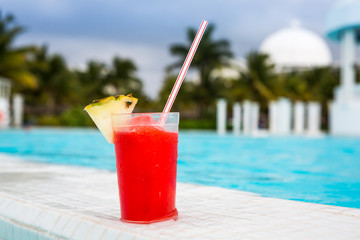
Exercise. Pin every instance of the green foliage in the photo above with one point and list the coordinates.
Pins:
(259, 78)
(122, 77)
(75, 117)
(257, 83)
(92, 81)
(185, 100)
(48, 120)
(310, 85)
(14, 61)
(197, 124)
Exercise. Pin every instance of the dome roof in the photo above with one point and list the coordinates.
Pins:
(343, 15)
(296, 47)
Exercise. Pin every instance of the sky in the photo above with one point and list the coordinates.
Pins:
(144, 30)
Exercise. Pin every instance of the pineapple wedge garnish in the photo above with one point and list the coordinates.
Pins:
(101, 110)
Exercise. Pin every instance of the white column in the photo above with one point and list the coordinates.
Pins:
(284, 116)
(2, 89)
(299, 116)
(348, 51)
(236, 118)
(4, 112)
(221, 116)
(247, 117)
(273, 109)
(4, 103)
(254, 117)
(18, 110)
(313, 119)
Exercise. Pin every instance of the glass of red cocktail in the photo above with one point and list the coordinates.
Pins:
(146, 162)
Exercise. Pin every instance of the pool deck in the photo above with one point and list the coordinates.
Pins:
(43, 201)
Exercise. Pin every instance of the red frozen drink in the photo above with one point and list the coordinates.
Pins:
(146, 160)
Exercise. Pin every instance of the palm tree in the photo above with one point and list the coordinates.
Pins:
(38, 66)
(14, 61)
(209, 55)
(122, 77)
(58, 86)
(93, 80)
(258, 81)
(61, 84)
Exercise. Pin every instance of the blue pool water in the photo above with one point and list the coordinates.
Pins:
(321, 170)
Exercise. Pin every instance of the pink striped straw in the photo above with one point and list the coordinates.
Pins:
(183, 71)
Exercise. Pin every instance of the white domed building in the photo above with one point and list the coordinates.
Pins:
(296, 48)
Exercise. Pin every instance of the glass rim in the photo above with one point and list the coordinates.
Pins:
(149, 113)
(124, 119)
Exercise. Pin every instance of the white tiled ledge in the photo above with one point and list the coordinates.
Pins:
(40, 201)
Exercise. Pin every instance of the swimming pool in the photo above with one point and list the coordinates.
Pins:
(321, 170)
